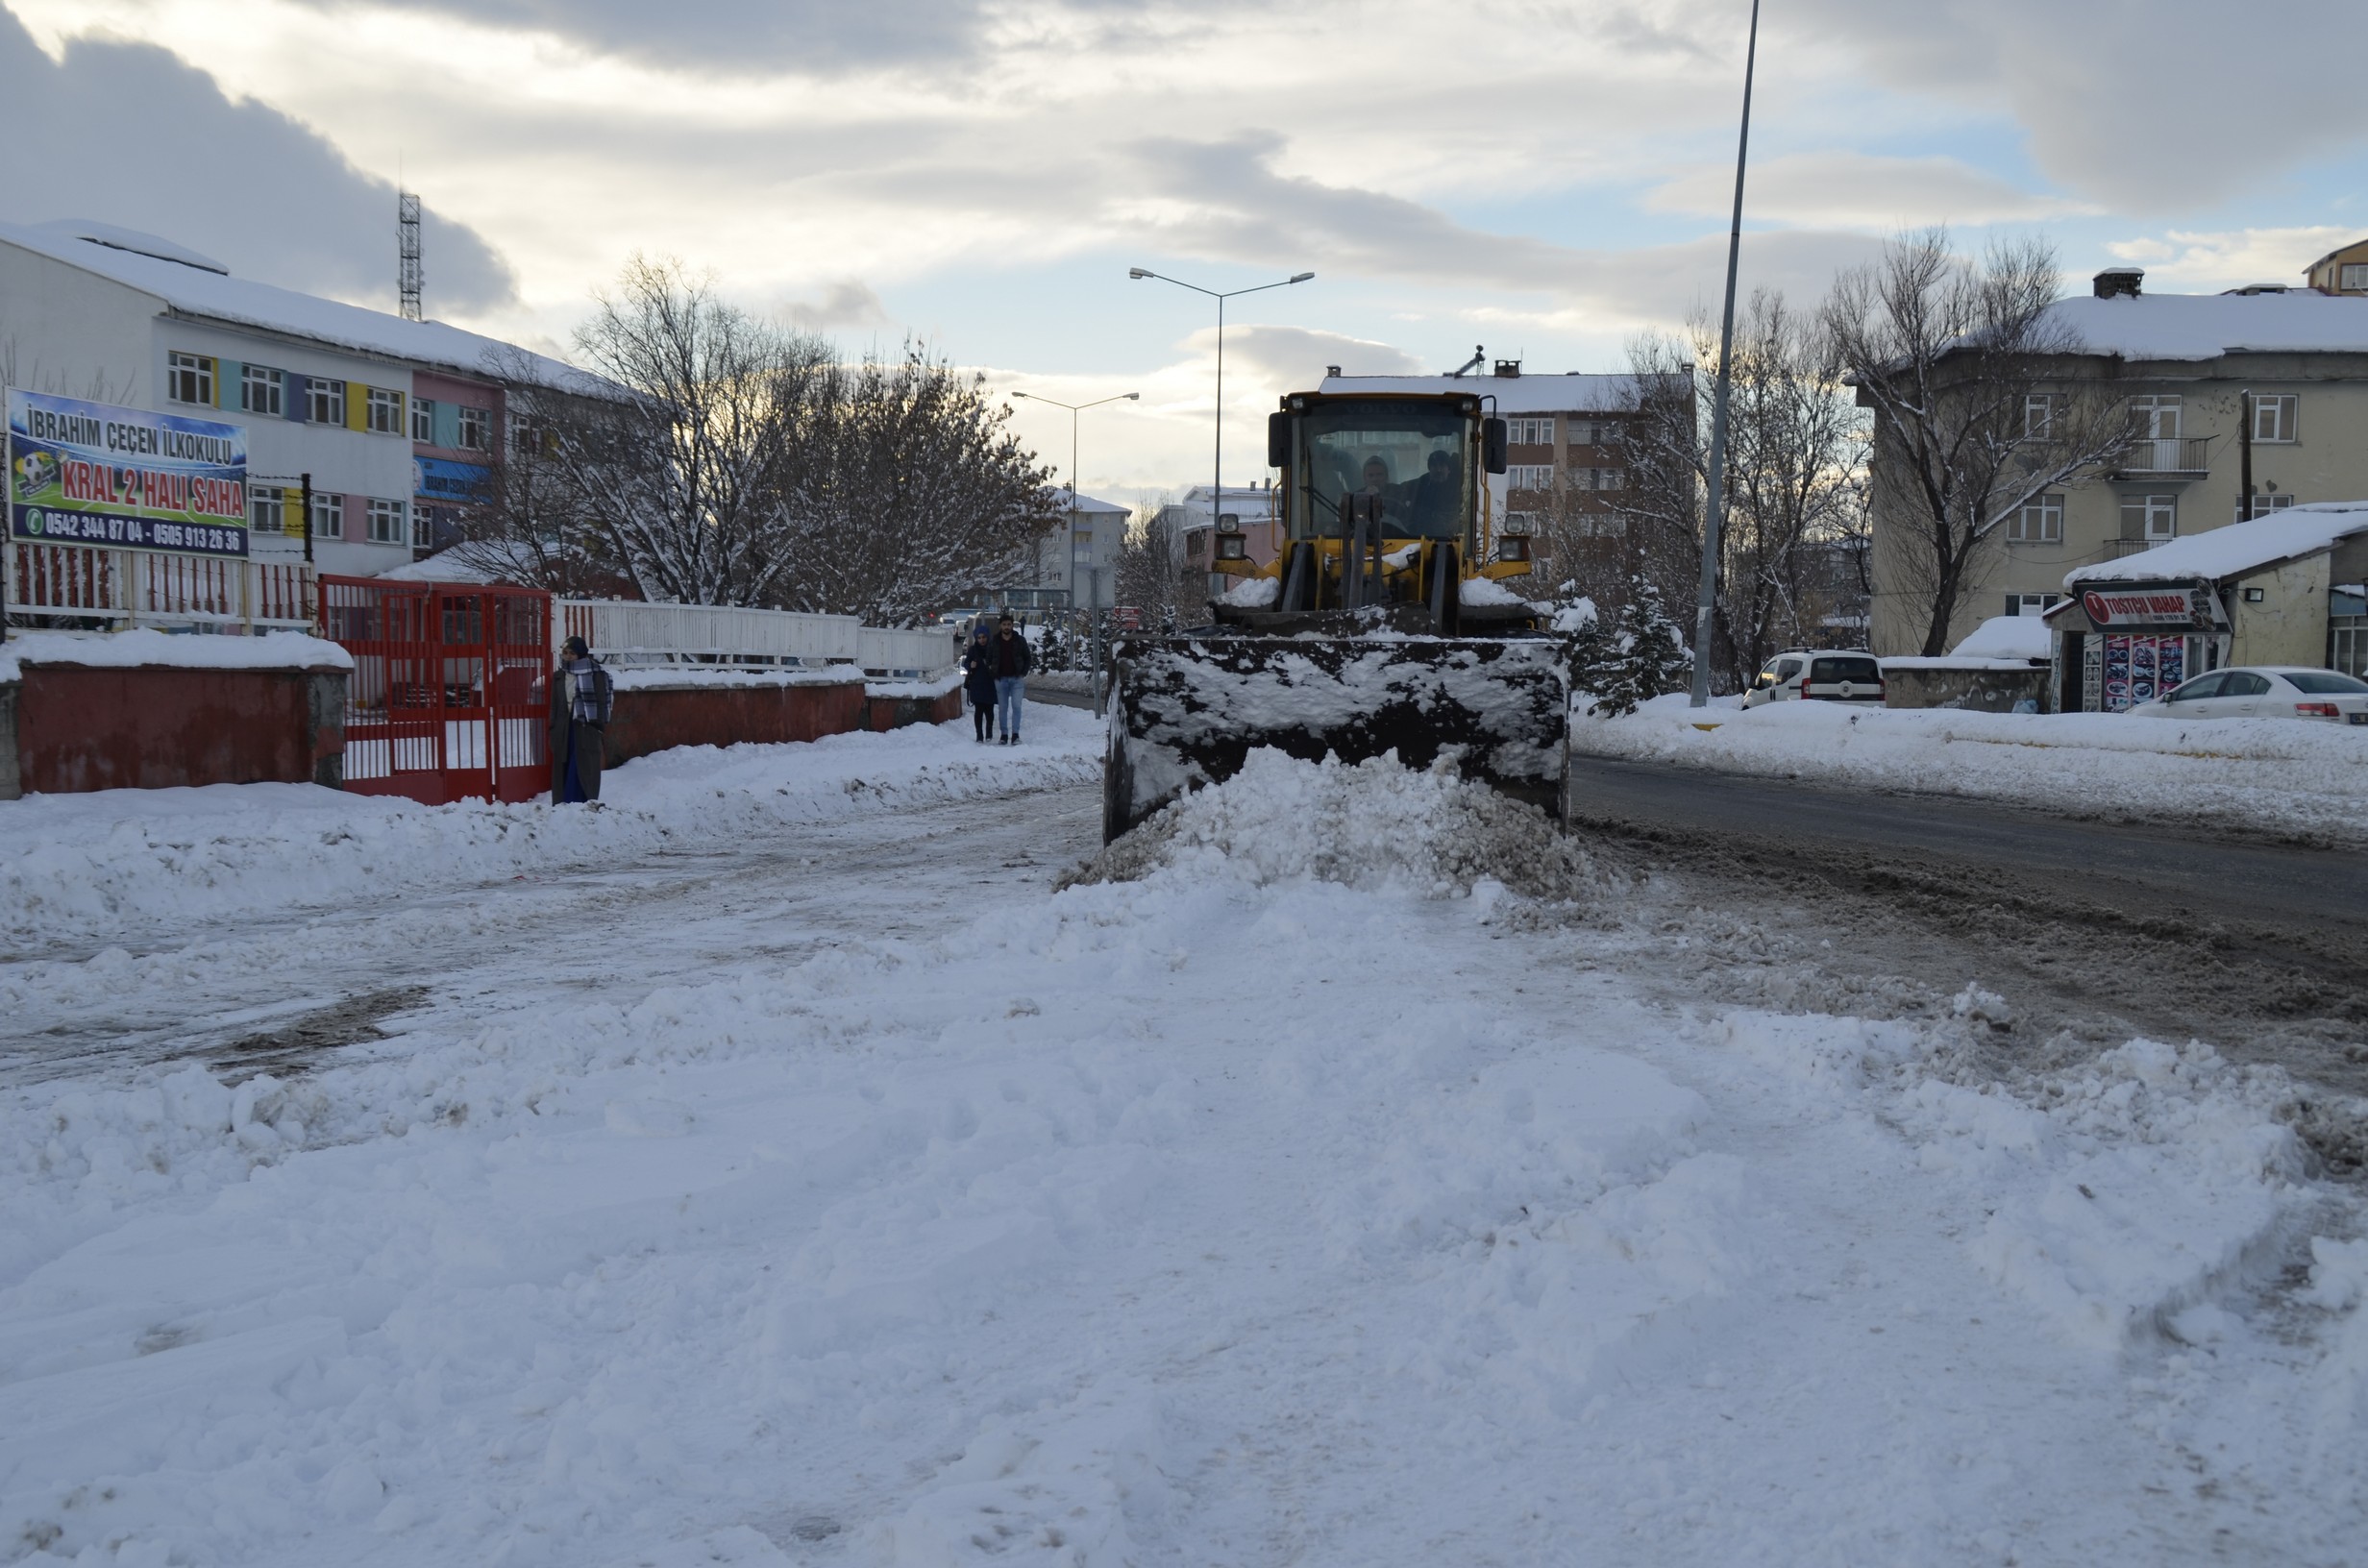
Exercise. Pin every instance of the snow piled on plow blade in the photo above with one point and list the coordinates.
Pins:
(1189, 711)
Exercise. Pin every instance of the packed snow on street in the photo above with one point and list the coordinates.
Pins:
(801, 1158)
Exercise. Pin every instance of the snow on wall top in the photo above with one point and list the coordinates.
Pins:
(195, 287)
(2207, 326)
(1514, 394)
(2236, 549)
(130, 649)
(2008, 637)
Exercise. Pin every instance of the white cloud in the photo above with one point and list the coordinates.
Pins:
(1857, 190)
(2200, 262)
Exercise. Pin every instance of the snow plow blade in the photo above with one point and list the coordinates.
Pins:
(1186, 711)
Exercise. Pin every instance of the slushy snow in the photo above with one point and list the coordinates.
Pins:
(1294, 1192)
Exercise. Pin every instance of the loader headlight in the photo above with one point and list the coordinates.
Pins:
(1512, 548)
(1232, 547)
(1515, 526)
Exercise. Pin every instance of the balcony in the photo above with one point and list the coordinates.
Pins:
(2172, 457)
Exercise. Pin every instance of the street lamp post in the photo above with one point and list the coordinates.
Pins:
(1217, 481)
(1074, 409)
(1706, 597)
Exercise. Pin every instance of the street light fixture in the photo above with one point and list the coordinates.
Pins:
(1075, 409)
(1216, 485)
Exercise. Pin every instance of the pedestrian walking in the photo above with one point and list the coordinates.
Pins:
(580, 694)
(979, 680)
(1013, 660)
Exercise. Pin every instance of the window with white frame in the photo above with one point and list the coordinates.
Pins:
(324, 401)
(1583, 432)
(266, 512)
(2275, 416)
(423, 420)
(2032, 604)
(475, 428)
(1610, 479)
(2039, 520)
(384, 411)
(1530, 476)
(2040, 411)
(188, 378)
(328, 516)
(2263, 505)
(387, 522)
(1532, 432)
(2153, 519)
(2154, 416)
(2354, 275)
(262, 390)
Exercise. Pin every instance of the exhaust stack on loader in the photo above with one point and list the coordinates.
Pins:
(1378, 628)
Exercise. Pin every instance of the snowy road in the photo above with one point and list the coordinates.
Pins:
(801, 1180)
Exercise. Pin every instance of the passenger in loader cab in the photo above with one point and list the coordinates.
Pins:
(1438, 498)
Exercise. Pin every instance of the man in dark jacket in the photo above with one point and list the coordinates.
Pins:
(979, 680)
(1013, 660)
(580, 693)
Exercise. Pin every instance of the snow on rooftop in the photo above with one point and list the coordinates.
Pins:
(1089, 504)
(2236, 549)
(2207, 326)
(2008, 637)
(1524, 394)
(196, 285)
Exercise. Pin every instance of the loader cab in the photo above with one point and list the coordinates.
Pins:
(1417, 464)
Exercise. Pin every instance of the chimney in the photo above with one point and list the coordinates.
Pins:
(2116, 282)
(1509, 368)
(1332, 371)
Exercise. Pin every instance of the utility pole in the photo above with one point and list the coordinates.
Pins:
(2244, 463)
(1706, 600)
(307, 514)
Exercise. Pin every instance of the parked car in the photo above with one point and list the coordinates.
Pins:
(1818, 674)
(2265, 691)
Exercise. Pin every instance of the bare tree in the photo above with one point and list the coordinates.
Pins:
(1146, 574)
(912, 491)
(1974, 416)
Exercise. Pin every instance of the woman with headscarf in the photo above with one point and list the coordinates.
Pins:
(979, 680)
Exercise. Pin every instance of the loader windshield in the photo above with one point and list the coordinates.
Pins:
(1413, 460)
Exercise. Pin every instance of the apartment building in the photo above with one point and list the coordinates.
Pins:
(397, 422)
(1191, 526)
(2270, 378)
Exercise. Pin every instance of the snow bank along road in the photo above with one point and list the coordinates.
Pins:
(1347, 1176)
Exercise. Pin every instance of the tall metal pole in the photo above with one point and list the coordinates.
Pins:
(1706, 600)
(1073, 509)
(1216, 482)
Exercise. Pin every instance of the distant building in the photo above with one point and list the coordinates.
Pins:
(1074, 565)
(1191, 526)
(2343, 271)
(399, 423)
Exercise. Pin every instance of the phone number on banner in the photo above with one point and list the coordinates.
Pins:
(127, 532)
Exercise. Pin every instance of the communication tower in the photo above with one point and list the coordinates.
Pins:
(407, 251)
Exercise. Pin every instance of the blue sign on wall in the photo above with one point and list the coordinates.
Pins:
(460, 484)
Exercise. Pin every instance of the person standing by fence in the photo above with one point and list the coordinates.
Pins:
(979, 680)
(1013, 660)
(580, 694)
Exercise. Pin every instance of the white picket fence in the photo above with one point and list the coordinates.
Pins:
(142, 588)
(629, 634)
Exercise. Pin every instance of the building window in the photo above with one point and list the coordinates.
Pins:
(188, 378)
(262, 390)
(1582, 433)
(2263, 505)
(1530, 476)
(423, 420)
(2154, 519)
(387, 522)
(2040, 520)
(476, 429)
(1532, 432)
(2032, 604)
(265, 509)
(2274, 417)
(2039, 411)
(2154, 416)
(328, 516)
(2355, 276)
(324, 402)
(385, 411)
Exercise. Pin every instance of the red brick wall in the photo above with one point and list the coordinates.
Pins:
(151, 727)
(644, 720)
(887, 713)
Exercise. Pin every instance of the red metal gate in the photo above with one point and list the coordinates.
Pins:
(448, 699)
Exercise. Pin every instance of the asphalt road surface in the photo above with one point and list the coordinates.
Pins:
(2260, 946)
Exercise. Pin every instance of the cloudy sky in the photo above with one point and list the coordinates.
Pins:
(1543, 177)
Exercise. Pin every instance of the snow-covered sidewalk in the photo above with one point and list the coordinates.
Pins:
(1312, 1195)
(2268, 775)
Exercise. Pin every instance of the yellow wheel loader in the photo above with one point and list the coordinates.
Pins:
(1381, 625)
